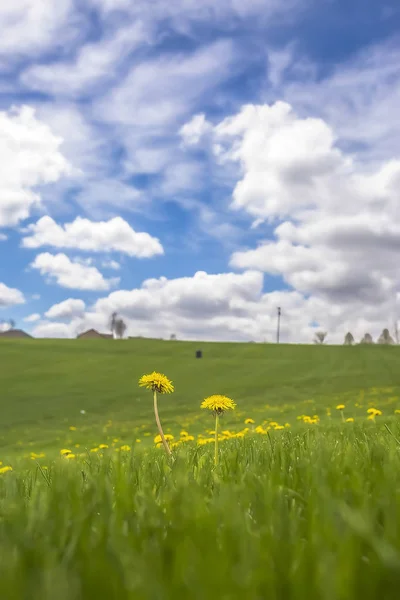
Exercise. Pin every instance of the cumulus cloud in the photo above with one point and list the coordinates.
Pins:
(115, 235)
(71, 274)
(32, 318)
(29, 156)
(226, 307)
(10, 296)
(341, 221)
(72, 307)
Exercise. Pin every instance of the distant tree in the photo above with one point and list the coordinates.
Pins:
(367, 339)
(117, 326)
(113, 321)
(320, 337)
(172, 336)
(348, 339)
(120, 328)
(385, 338)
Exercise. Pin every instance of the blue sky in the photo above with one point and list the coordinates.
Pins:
(194, 167)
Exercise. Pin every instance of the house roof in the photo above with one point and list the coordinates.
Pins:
(14, 333)
(96, 333)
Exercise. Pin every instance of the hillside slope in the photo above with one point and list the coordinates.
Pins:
(45, 384)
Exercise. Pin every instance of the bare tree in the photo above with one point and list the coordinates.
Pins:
(348, 339)
(120, 328)
(385, 338)
(320, 337)
(7, 324)
(367, 339)
(113, 321)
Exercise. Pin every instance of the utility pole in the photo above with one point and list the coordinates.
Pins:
(279, 322)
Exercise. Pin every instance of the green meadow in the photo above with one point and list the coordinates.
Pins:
(304, 503)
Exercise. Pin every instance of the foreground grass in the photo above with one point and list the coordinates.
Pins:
(45, 384)
(306, 515)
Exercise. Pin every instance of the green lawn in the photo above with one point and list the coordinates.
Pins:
(44, 384)
(306, 512)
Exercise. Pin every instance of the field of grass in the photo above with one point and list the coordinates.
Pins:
(298, 508)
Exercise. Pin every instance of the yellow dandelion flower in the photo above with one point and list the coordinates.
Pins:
(287, 424)
(157, 382)
(350, 420)
(68, 456)
(397, 411)
(184, 433)
(94, 449)
(147, 434)
(77, 445)
(5, 469)
(64, 452)
(103, 446)
(188, 438)
(249, 422)
(168, 437)
(218, 404)
(279, 427)
(72, 428)
(125, 448)
(115, 440)
(340, 407)
(138, 441)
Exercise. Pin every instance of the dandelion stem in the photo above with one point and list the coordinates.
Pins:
(164, 441)
(343, 419)
(216, 438)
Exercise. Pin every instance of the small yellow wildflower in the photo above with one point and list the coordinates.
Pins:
(157, 382)
(147, 434)
(138, 441)
(103, 446)
(249, 422)
(279, 427)
(77, 445)
(168, 437)
(340, 407)
(68, 456)
(115, 440)
(350, 420)
(5, 469)
(72, 428)
(397, 411)
(94, 449)
(218, 404)
(64, 452)
(125, 448)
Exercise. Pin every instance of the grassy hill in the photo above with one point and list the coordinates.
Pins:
(45, 384)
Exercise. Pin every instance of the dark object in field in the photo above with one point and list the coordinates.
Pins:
(199, 354)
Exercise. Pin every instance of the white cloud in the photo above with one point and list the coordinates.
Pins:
(48, 329)
(95, 64)
(28, 27)
(70, 274)
(183, 79)
(3, 237)
(29, 156)
(194, 130)
(32, 318)
(341, 235)
(360, 99)
(226, 306)
(115, 235)
(67, 309)
(10, 296)
(111, 264)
